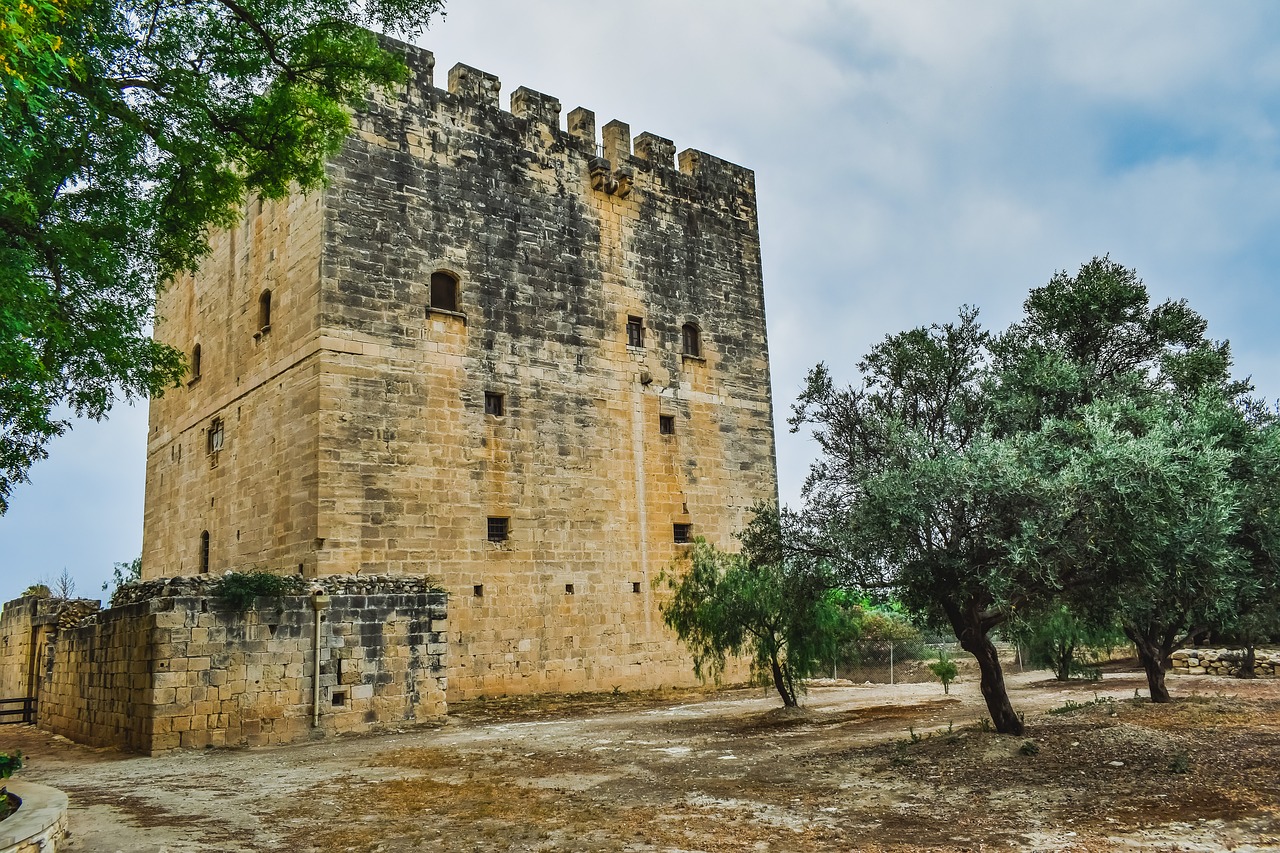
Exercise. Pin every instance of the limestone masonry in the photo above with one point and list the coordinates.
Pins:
(492, 351)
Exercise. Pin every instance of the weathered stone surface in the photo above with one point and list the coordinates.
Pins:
(1224, 662)
(354, 436)
(180, 671)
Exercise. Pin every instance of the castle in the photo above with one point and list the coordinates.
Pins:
(490, 352)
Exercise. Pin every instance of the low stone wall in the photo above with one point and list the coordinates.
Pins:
(1224, 662)
(40, 823)
(173, 669)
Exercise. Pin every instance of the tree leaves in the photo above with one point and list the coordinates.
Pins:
(128, 129)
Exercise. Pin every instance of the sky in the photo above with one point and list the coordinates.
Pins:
(910, 158)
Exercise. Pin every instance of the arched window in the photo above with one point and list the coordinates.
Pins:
(692, 336)
(195, 362)
(264, 311)
(204, 553)
(444, 291)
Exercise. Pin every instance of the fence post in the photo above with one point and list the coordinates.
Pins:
(891, 663)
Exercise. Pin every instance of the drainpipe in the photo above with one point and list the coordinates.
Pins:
(320, 602)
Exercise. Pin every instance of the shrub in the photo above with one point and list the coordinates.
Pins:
(238, 590)
(945, 669)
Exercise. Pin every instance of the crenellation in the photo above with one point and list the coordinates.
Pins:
(582, 125)
(535, 107)
(474, 85)
(616, 141)
(656, 150)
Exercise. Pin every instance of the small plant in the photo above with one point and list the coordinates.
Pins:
(945, 670)
(1029, 747)
(900, 757)
(9, 764)
(238, 590)
(915, 736)
(1180, 763)
(984, 724)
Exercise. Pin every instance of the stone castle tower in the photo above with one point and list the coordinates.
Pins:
(490, 352)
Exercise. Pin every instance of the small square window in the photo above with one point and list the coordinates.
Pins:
(339, 698)
(635, 331)
(667, 424)
(568, 589)
(494, 404)
(680, 533)
(635, 586)
(478, 590)
(498, 529)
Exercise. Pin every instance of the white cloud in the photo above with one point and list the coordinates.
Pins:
(911, 157)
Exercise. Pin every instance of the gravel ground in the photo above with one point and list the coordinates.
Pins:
(875, 768)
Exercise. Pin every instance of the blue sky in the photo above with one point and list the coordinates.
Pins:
(910, 157)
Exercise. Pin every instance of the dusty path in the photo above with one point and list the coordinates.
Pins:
(726, 772)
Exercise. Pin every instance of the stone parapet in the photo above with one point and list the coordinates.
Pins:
(40, 823)
(179, 670)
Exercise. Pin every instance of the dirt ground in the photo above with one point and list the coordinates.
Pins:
(874, 768)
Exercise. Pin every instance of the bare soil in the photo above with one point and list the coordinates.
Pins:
(872, 768)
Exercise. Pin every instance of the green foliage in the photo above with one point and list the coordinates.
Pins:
(1029, 747)
(237, 591)
(1088, 456)
(128, 130)
(121, 574)
(1057, 638)
(781, 613)
(1180, 763)
(37, 590)
(10, 763)
(944, 669)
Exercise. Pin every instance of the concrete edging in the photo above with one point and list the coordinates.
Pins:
(40, 822)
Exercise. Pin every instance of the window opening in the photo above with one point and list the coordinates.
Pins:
(494, 404)
(499, 528)
(680, 533)
(692, 337)
(339, 698)
(635, 586)
(635, 331)
(204, 553)
(568, 589)
(195, 362)
(264, 311)
(478, 590)
(444, 291)
(215, 435)
(666, 424)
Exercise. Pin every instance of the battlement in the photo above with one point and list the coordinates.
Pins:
(471, 87)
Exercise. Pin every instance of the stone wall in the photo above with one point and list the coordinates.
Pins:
(177, 670)
(1224, 662)
(362, 435)
(28, 626)
(40, 823)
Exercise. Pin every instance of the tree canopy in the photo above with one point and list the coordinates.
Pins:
(1084, 455)
(780, 612)
(129, 129)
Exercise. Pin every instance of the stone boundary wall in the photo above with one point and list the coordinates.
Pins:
(27, 625)
(40, 823)
(1224, 662)
(175, 670)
